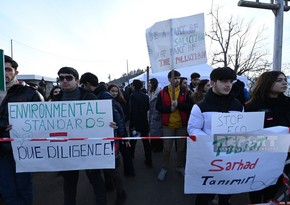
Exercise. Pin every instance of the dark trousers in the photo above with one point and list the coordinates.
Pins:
(204, 199)
(264, 195)
(113, 176)
(146, 146)
(70, 180)
(15, 188)
(127, 159)
(157, 145)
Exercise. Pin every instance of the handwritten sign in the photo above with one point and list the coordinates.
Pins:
(233, 160)
(237, 122)
(176, 43)
(231, 172)
(39, 156)
(64, 119)
(75, 118)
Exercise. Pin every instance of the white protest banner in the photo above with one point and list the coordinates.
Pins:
(235, 170)
(42, 156)
(176, 43)
(63, 119)
(237, 122)
(222, 164)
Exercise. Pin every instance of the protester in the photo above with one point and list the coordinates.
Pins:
(217, 99)
(240, 92)
(124, 146)
(155, 124)
(174, 104)
(35, 87)
(201, 90)
(90, 82)
(183, 82)
(69, 79)
(53, 92)
(139, 126)
(268, 96)
(127, 91)
(194, 80)
(15, 188)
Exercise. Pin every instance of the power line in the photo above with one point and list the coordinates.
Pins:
(65, 57)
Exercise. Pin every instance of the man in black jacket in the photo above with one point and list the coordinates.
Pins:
(15, 188)
(91, 82)
(139, 125)
(69, 80)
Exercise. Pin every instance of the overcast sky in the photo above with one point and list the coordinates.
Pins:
(100, 36)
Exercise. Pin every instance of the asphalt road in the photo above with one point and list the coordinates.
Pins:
(143, 189)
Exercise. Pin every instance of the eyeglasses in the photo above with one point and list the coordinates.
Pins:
(68, 78)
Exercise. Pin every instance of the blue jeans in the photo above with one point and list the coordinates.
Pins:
(15, 188)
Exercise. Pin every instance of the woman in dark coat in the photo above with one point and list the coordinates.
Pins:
(268, 96)
(123, 108)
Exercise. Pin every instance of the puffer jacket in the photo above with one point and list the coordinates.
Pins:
(199, 122)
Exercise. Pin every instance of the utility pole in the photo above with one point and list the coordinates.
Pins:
(127, 71)
(147, 77)
(11, 48)
(278, 9)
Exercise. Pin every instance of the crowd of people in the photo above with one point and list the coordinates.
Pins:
(178, 109)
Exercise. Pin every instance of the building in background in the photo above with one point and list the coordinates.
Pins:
(44, 84)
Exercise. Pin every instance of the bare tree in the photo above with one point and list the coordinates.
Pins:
(234, 45)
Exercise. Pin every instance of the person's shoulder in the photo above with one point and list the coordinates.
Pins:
(164, 89)
(202, 103)
(287, 98)
(105, 95)
(30, 92)
(238, 105)
(27, 88)
(87, 95)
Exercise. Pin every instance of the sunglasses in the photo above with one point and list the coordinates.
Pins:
(68, 78)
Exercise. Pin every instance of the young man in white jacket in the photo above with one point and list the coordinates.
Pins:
(217, 99)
